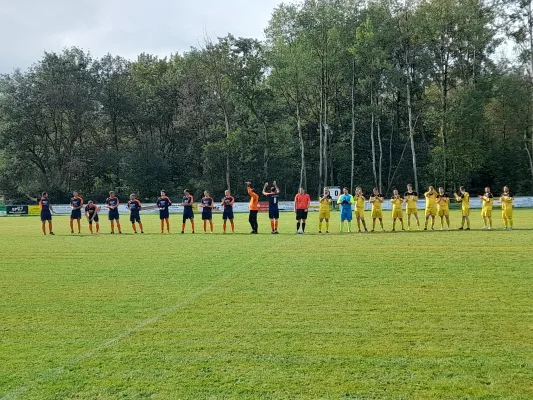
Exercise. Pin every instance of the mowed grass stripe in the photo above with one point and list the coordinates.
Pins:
(98, 292)
(411, 315)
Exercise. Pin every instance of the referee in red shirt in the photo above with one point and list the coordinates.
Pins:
(301, 208)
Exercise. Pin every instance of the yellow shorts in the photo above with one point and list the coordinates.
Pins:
(486, 213)
(507, 214)
(360, 213)
(412, 211)
(397, 214)
(444, 213)
(465, 212)
(431, 211)
(324, 215)
(377, 214)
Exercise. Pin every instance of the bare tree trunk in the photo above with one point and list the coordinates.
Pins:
(389, 175)
(443, 138)
(303, 175)
(529, 155)
(320, 150)
(530, 26)
(411, 127)
(325, 157)
(330, 158)
(265, 152)
(444, 118)
(325, 85)
(226, 121)
(380, 164)
(373, 141)
(353, 129)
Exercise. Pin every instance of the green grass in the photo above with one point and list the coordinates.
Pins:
(415, 315)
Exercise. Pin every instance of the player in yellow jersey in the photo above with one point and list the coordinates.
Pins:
(410, 199)
(376, 199)
(443, 210)
(397, 213)
(431, 207)
(507, 208)
(487, 201)
(325, 210)
(360, 201)
(464, 199)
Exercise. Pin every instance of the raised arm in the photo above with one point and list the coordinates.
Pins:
(265, 193)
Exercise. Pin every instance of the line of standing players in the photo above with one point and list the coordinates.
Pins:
(163, 204)
(437, 204)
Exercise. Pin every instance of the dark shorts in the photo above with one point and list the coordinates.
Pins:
(164, 214)
(207, 216)
(95, 219)
(188, 213)
(114, 215)
(135, 218)
(273, 213)
(227, 215)
(46, 216)
(75, 214)
(301, 214)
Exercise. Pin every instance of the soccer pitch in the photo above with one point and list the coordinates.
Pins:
(414, 315)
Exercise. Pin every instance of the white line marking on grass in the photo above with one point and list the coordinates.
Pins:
(55, 372)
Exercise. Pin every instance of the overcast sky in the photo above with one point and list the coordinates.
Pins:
(121, 27)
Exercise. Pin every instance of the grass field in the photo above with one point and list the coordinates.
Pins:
(415, 315)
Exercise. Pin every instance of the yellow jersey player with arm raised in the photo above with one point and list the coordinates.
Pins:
(376, 199)
(464, 198)
(360, 201)
(487, 201)
(410, 199)
(397, 213)
(507, 208)
(431, 207)
(324, 212)
(443, 208)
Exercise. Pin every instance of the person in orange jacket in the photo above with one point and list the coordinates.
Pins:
(254, 208)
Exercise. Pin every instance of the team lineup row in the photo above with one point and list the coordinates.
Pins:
(437, 203)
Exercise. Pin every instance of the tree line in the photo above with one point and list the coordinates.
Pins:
(340, 92)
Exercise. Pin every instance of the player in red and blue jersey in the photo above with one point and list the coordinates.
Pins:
(163, 203)
(46, 212)
(135, 207)
(188, 214)
(227, 204)
(112, 203)
(76, 203)
(273, 209)
(207, 211)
